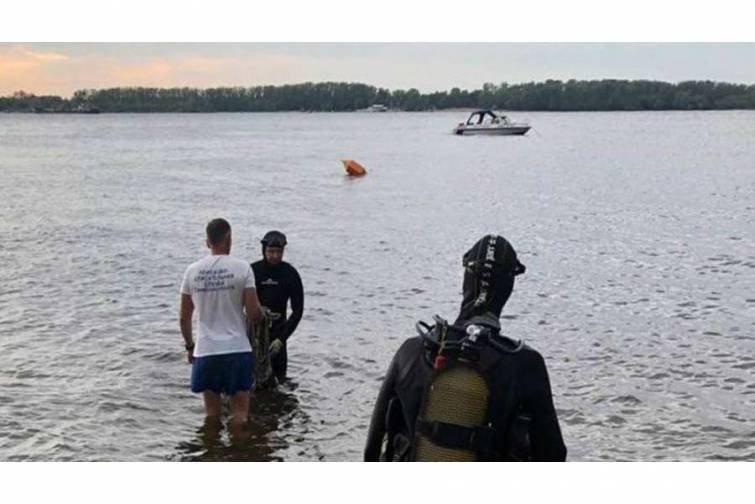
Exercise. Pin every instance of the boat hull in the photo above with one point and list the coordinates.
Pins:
(508, 130)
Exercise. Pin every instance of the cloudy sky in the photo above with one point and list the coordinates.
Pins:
(53, 68)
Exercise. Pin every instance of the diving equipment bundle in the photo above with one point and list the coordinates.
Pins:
(259, 337)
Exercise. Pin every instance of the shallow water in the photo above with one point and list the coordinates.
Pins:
(637, 230)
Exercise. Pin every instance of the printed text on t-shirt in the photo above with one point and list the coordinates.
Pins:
(213, 280)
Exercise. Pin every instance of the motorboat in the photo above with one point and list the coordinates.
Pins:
(378, 107)
(487, 122)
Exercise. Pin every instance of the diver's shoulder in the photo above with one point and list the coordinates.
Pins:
(409, 349)
(516, 346)
(530, 353)
(412, 343)
(532, 359)
(528, 350)
(407, 356)
(289, 267)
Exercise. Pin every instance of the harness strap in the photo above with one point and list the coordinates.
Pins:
(481, 440)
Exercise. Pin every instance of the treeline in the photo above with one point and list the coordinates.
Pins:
(551, 95)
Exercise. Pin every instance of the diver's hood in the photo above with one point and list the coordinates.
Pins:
(273, 239)
(489, 270)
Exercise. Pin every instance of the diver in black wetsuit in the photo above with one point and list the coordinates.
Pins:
(522, 422)
(278, 283)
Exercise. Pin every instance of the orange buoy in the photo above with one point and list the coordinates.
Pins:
(353, 168)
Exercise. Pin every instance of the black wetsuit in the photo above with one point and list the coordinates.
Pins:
(276, 285)
(519, 384)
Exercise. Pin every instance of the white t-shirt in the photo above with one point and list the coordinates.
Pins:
(216, 285)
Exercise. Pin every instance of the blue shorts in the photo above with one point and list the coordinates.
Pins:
(223, 374)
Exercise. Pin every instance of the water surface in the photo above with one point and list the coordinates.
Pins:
(636, 228)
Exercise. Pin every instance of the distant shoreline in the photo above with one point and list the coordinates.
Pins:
(548, 96)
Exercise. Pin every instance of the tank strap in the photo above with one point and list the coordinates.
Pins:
(481, 440)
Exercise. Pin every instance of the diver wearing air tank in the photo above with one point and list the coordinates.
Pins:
(277, 283)
(464, 391)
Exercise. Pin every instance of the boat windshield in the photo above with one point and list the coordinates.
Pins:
(483, 118)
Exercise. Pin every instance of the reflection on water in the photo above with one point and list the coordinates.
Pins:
(259, 440)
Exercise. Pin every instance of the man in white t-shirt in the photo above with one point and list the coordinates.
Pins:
(221, 288)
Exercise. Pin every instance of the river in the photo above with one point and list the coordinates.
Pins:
(637, 230)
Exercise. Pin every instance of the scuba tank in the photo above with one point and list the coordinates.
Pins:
(454, 422)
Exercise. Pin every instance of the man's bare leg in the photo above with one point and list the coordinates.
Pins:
(212, 404)
(210, 432)
(240, 407)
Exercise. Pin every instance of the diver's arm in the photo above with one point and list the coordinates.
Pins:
(377, 423)
(297, 305)
(546, 442)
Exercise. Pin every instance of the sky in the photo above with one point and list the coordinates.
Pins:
(62, 68)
